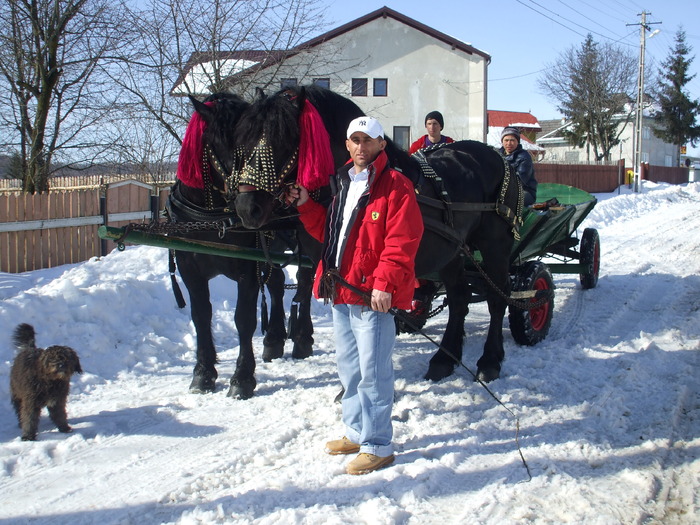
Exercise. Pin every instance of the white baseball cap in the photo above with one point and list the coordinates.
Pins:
(367, 125)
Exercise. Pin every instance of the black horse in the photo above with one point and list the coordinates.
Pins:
(460, 188)
(202, 200)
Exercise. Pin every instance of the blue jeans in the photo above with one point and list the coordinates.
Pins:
(364, 341)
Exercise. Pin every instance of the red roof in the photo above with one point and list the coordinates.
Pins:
(502, 119)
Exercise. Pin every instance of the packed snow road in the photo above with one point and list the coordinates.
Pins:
(608, 404)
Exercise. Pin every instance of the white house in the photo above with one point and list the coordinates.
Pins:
(395, 68)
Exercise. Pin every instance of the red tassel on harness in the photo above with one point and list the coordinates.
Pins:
(189, 163)
(315, 157)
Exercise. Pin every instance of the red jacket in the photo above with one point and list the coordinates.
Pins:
(382, 240)
(422, 143)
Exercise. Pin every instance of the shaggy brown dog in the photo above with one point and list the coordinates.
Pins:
(40, 378)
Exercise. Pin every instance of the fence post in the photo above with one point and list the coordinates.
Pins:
(620, 174)
(103, 212)
(155, 207)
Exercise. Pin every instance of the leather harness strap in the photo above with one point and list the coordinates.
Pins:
(444, 203)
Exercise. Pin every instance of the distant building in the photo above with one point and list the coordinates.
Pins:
(395, 68)
(654, 150)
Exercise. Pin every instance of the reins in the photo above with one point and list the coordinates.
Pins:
(334, 275)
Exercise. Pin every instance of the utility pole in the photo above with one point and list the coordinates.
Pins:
(639, 117)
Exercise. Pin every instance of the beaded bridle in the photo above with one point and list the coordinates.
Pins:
(258, 169)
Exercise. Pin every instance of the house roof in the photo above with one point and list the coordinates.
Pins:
(516, 119)
(550, 125)
(385, 12)
(196, 71)
(199, 70)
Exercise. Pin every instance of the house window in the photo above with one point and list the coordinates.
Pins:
(359, 87)
(646, 133)
(288, 83)
(381, 87)
(402, 136)
(323, 82)
(571, 157)
(668, 161)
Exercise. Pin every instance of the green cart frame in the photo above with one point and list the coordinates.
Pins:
(549, 231)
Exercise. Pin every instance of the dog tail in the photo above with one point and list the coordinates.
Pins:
(24, 337)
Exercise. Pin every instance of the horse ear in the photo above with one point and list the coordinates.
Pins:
(301, 97)
(200, 107)
(259, 93)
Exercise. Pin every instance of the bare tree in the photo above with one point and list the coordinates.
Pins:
(196, 47)
(592, 86)
(49, 52)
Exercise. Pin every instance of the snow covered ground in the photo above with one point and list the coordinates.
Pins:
(608, 404)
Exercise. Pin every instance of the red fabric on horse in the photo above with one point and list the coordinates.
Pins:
(189, 163)
(315, 158)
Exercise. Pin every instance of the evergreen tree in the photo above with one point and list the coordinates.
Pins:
(678, 113)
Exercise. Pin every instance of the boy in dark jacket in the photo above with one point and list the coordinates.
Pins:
(520, 162)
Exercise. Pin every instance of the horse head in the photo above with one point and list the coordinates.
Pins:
(207, 157)
(296, 135)
(268, 137)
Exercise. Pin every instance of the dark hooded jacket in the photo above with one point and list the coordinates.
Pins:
(521, 163)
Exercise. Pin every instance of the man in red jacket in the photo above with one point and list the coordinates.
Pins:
(370, 234)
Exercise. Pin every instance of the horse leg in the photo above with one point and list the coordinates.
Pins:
(205, 374)
(443, 364)
(303, 327)
(496, 266)
(276, 335)
(243, 383)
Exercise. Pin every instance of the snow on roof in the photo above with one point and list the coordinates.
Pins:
(199, 76)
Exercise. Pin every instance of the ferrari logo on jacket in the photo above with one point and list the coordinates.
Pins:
(375, 215)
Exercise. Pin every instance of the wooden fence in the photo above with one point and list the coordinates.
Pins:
(592, 178)
(47, 230)
(60, 227)
(664, 174)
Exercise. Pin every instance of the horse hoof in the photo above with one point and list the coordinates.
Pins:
(303, 350)
(438, 371)
(203, 383)
(241, 389)
(486, 375)
(273, 351)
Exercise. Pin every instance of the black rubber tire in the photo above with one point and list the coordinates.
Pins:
(529, 327)
(589, 258)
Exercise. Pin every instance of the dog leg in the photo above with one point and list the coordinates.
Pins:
(29, 422)
(57, 412)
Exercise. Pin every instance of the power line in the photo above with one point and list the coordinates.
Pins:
(586, 17)
(590, 31)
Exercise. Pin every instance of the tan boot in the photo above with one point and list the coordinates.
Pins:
(341, 446)
(365, 463)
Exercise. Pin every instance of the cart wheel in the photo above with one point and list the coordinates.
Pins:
(529, 327)
(590, 258)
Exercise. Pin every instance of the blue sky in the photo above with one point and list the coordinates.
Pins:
(523, 37)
